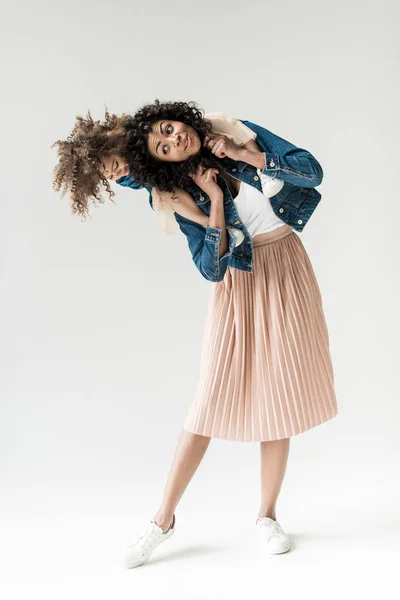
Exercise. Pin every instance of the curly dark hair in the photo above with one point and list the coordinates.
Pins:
(80, 158)
(153, 172)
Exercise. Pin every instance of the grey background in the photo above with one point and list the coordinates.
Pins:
(101, 322)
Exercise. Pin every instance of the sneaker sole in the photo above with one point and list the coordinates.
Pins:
(265, 548)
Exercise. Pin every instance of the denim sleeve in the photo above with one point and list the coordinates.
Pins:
(286, 161)
(204, 245)
(128, 181)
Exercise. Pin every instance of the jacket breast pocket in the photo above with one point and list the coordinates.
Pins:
(294, 195)
(202, 200)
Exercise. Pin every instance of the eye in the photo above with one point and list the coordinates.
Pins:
(113, 168)
(168, 129)
(164, 149)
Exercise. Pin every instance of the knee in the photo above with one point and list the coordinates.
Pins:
(195, 438)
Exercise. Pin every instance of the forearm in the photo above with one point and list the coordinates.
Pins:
(204, 247)
(256, 158)
(279, 158)
(217, 220)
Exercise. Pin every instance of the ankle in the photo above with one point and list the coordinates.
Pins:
(270, 514)
(166, 522)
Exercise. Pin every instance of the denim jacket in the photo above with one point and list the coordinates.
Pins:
(293, 204)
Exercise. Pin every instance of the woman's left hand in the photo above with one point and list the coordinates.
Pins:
(222, 146)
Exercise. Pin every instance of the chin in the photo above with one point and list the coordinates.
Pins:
(196, 148)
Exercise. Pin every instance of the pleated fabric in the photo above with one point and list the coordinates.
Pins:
(266, 371)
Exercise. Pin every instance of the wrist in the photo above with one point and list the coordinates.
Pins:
(253, 157)
(216, 196)
(238, 154)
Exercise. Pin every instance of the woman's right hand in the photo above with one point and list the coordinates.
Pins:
(206, 179)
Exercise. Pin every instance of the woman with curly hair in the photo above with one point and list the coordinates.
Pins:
(266, 372)
(81, 155)
(97, 152)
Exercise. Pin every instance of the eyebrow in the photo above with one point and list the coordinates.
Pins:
(161, 124)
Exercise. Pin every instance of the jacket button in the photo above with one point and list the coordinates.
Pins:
(234, 170)
(299, 221)
(201, 197)
(281, 210)
(256, 178)
(271, 163)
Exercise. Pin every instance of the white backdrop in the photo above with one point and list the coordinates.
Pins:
(102, 321)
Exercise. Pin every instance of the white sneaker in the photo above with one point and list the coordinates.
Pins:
(271, 536)
(143, 544)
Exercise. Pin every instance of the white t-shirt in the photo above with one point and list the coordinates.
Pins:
(254, 207)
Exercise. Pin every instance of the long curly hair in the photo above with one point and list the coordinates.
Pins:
(80, 155)
(151, 171)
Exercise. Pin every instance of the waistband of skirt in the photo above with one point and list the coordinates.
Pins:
(273, 236)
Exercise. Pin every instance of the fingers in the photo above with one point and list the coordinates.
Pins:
(211, 175)
(208, 175)
(199, 172)
(219, 148)
(209, 140)
(217, 145)
(205, 175)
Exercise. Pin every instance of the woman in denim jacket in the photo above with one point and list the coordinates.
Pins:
(295, 199)
(266, 372)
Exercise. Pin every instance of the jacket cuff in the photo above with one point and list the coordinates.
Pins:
(213, 235)
(272, 163)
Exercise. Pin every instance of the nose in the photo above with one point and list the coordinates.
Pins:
(175, 139)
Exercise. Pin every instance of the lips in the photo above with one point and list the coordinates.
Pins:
(188, 142)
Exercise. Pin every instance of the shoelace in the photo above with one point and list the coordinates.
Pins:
(142, 542)
(269, 529)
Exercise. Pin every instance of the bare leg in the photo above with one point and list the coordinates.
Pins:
(188, 456)
(274, 457)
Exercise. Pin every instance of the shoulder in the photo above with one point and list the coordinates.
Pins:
(230, 126)
(183, 204)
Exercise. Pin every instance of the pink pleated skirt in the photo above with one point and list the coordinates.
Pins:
(266, 371)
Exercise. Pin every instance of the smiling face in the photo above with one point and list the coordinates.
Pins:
(173, 141)
(114, 166)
